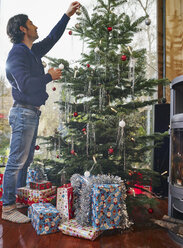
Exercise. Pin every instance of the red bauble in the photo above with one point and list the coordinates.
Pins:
(88, 65)
(123, 57)
(109, 29)
(54, 88)
(72, 152)
(75, 114)
(150, 210)
(57, 156)
(84, 129)
(110, 150)
(70, 32)
(37, 147)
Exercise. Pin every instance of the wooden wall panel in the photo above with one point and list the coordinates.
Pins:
(174, 40)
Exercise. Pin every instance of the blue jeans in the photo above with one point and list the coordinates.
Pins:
(24, 124)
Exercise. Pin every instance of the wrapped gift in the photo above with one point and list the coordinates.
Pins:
(32, 175)
(72, 228)
(44, 218)
(40, 185)
(65, 201)
(1, 189)
(35, 193)
(29, 202)
(106, 206)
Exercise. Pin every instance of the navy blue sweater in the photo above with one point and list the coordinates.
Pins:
(25, 71)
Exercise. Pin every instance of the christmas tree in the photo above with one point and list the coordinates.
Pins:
(103, 101)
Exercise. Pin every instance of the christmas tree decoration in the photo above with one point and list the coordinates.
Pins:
(77, 25)
(78, 11)
(37, 147)
(109, 29)
(58, 156)
(84, 129)
(132, 139)
(72, 152)
(123, 57)
(122, 123)
(54, 88)
(150, 210)
(148, 21)
(70, 32)
(44, 64)
(87, 174)
(96, 50)
(88, 65)
(75, 114)
(61, 66)
(110, 151)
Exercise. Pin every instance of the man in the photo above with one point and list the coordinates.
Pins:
(25, 73)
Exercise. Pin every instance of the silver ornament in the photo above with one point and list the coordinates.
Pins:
(78, 12)
(96, 50)
(44, 64)
(61, 66)
(77, 25)
(148, 21)
(122, 123)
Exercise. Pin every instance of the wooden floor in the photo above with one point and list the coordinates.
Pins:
(144, 235)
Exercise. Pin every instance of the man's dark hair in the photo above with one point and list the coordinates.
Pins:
(13, 28)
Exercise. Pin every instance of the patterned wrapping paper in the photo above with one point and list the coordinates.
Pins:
(65, 201)
(1, 189)
(34, 193)
(32, 175)
(44, 218)
(72, 228)
(29, 202)
(106, 206)
(40, 185)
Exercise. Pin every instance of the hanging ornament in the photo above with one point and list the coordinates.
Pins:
(44, 64)
(110, 151)
(122, 123)
(58, 156)
(84, 129)
(77, 25)
(148, 21)
(96, 50)
(37, 147)
(109, 29)
(132, 139)
(73, 152)
(123, 57)
(75, 71)
(70, 32)
(75, 114)
(88, 65)
(61, 66)
(87, 174)
(150, 210)
(54, 88)
(78, 11)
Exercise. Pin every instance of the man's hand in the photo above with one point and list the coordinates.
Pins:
(72, 8)
(55, 73)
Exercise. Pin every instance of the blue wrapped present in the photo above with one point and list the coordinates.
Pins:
(35, 175)
(106, 206)
(44, 218)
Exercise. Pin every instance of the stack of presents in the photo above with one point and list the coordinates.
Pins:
(85, 208)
